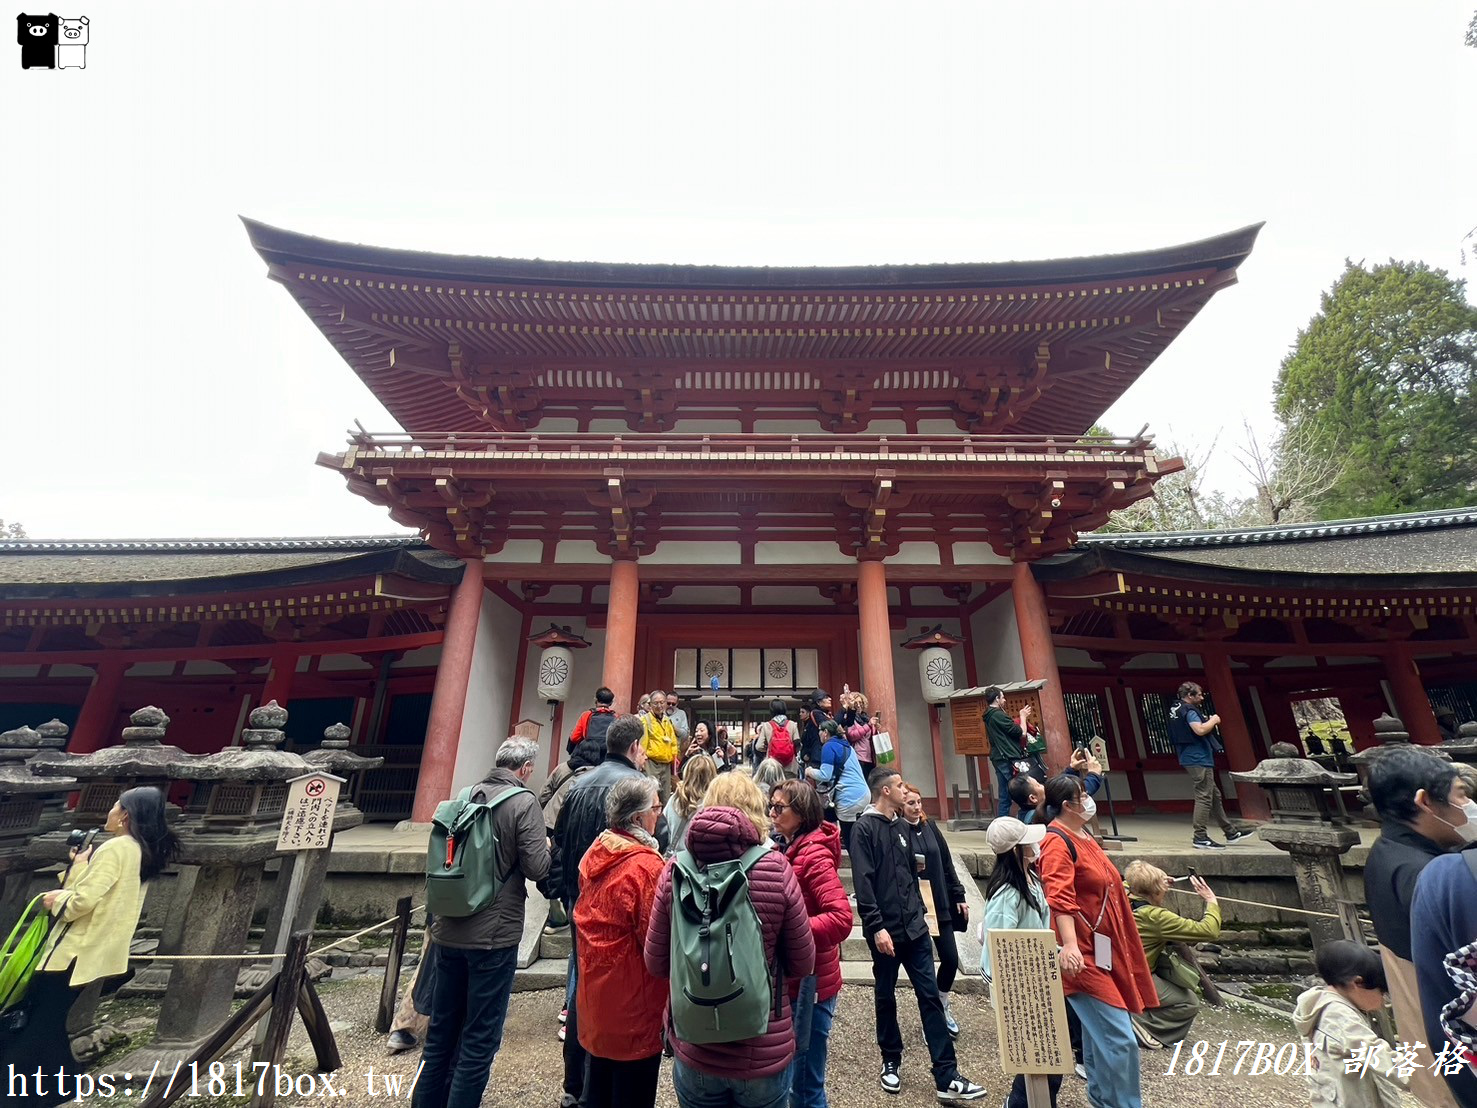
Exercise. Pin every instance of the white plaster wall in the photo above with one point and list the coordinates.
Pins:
(419, 658)
(149, 669)
(789, 594)
(977, 554)
(19, 671)
(931, 595)
(1292, 661)
(579, 551)
(704, 594)
(910, 732)
(341, 662)
(938, 427)
(708, 426)
(997, 643)
(915, 554)
(788, 427)
(800, 554)
(1152, 661)
(66, 669)
(206, 669)
(557, 425)
(1070, 657)
(485, 717)
(1348, 660)
(693, 553)
(518, 550)
(887, 427)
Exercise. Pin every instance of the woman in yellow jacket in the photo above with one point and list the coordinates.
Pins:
(1158, 926)
(96, 912)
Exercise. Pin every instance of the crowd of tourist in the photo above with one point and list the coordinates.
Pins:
(702, 884)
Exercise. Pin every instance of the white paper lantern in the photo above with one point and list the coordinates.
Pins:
(936, 674)
(555, 672)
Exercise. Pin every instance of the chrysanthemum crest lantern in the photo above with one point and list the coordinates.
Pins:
(935, 663)
(556, 663)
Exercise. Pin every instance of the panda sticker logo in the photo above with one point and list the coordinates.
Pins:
(52, 42)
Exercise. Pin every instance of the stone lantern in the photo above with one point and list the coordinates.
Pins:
(1391, 734)
(556, 663)
(106, 774)
(1315, 833)
(22, 808)
(1463, 748)
(935, 663)
(211, 914)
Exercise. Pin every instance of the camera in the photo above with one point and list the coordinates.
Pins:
(79, 839)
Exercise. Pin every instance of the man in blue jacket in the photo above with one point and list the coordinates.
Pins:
(1443, 918)
(1194, 738)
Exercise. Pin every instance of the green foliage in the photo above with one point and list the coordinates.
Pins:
(1382, 380)
(11, 530)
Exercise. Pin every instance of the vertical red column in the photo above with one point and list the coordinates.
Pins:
(1410, 695)
(99, 709)
(449, 696)
(1239, 752)
(620, 631)
(876, 643)
(280, 676)
(1033, 625)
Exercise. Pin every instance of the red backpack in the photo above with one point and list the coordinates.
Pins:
(781, 745)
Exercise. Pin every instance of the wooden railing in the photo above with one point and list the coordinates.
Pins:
(537, 442)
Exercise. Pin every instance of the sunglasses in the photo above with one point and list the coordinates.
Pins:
(779, 807)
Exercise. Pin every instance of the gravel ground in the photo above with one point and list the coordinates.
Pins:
(528, 1071)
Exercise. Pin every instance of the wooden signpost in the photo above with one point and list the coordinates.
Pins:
(1030, 1009)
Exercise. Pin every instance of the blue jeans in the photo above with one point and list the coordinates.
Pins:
(467, 1013)
(1110, 1052)
(1004, 771)
(812, 1041)
(696, 1089)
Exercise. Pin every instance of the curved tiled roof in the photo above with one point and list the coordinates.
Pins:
(357, 544)
(1225, 251)
(1295, 532)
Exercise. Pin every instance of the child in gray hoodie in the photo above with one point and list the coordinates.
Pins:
(1351, 1066)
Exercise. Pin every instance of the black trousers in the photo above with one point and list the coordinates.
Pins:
(611, 1084)
(576, 1061)
(1074, 1033)
(915, 956)
(43, 1043)
(1017, 1097)
(948, 951)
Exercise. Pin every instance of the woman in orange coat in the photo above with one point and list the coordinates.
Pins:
(1105, 974)
(618, 879)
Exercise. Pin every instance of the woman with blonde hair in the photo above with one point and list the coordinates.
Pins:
(1170, 1021)
(734, 790)
(697, 774)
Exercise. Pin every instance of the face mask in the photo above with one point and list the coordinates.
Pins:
(1033, 852)
(1089, 807)
(1468, 830)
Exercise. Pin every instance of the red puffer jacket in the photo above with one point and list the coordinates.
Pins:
(720, 835)
(618, 879)
(815, 858)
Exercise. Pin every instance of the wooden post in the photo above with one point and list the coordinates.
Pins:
(620, 632)
(1038, 1091)
(1038, 655)
(279, 1024)
(391, 987)
(876, 643)
(449, 697)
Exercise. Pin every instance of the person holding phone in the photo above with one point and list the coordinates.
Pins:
(1176, 981)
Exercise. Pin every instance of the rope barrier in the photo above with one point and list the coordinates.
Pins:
(264, 957)
(1259, 904)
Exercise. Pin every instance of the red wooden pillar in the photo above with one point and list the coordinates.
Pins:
(1410, 695)
(449, 696)
(1239, 751)
(940, 778)
(876, 644)
(280, 676)
(99, 709)
(620, 631)
(1038, 653)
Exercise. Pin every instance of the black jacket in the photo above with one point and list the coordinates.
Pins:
(887, 897)
(579, 824)
(1395, 861)
(948, 890)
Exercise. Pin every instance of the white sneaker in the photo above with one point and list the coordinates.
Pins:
(891, 1082)
(961, 1088)
(949, 1021)
(1080, 1070)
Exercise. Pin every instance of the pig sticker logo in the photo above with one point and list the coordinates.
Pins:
(50, 42)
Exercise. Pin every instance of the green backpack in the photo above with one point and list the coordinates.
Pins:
(721, 989)
(461, 863)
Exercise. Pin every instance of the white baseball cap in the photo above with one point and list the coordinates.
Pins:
(1005, 833)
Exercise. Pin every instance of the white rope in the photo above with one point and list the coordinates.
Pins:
(1259, 904)
(263, 957)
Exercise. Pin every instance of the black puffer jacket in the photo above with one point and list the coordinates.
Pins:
(580, 822)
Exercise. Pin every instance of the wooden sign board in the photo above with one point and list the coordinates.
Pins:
(967, 718)
(528, 729)
(1098, 748)
(307, 820)
(1030, 1010)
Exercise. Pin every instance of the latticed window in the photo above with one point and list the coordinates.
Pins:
(1154, 710)
(1084, 716)
(1460, 699)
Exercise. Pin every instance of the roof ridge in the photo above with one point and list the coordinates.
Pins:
(1294, 532)
(231, 545)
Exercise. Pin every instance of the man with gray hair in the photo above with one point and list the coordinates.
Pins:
(478, 953)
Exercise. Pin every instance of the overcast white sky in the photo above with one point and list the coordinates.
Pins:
(155, 383)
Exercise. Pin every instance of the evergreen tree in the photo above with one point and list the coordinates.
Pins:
(1382, 381)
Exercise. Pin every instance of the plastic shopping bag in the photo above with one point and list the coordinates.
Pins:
(882, 748)
(22, 953)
